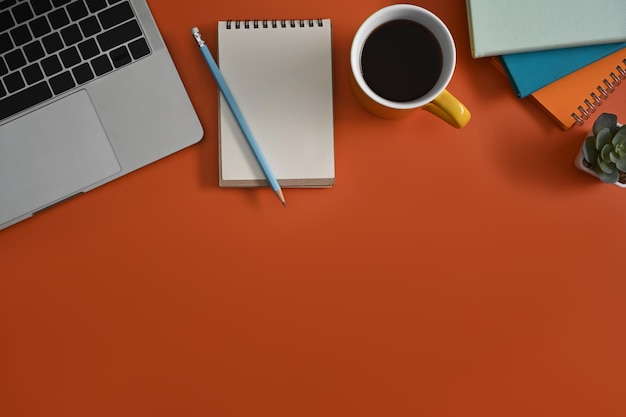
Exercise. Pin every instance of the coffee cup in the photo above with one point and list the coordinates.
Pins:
(402, 59)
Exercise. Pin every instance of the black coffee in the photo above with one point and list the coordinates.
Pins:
(401, 60)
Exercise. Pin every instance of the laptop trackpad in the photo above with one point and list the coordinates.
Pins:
(50, 154)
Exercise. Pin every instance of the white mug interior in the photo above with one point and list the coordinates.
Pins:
(419, 15)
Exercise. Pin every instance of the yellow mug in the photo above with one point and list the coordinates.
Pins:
(402, 59)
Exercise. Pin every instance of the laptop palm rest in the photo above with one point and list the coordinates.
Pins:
(65, 148)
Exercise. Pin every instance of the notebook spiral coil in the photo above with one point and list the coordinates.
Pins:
(274, 24)
(595, 100)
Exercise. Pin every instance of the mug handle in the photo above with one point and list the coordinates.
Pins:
(449, 109)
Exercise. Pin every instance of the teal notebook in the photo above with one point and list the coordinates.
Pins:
(499, 27)
(530, 71)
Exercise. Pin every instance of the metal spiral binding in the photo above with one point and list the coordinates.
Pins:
(609, 84)
(265, 24)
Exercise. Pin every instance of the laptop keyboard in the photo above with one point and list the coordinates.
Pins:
(48, 47)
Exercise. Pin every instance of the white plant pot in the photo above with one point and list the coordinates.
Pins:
(579, 163)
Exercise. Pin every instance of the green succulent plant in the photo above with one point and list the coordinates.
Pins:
(605, 149)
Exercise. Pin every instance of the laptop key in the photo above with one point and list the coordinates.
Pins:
(77, 10)
(40, 26)
(101, 65)
(41, 6)
(119, 35)
(139, 48)
(70, 57)
(51, 65)
(120, 56)
(6, 21)
(62, 82)
(59, 18)
(3, 67)
(14, 82)
(52, 43)
(5, 43)
(21, 35)
(3, 92)
(32, 74)
(15, 59)
(83, 73)
(34, 51)
(96, 5)
(71, 35)
(22, 13)
(59, 3)
(88, 49)
(116, 15)
(89, 26)
(7, 3)
(24, 99)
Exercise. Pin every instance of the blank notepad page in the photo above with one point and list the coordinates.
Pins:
(280, 74)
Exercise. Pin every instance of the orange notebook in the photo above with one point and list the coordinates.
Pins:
(571, 99)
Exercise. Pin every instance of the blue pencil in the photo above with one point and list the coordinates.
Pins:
(243, 125)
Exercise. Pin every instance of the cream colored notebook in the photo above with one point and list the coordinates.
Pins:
(280, 74)
(498, 27)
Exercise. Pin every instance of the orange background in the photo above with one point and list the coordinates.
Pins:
(469, 272)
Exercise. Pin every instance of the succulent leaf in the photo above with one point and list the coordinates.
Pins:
(605, 153)
(590, 153)
(620, 137)
(603, 137)
(621, 164)
(605, 120)
(614, 157)
(605, 167)
(609, 178)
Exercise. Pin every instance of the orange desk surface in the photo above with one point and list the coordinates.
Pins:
(449, 272)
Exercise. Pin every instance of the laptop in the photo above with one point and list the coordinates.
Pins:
(88, 93)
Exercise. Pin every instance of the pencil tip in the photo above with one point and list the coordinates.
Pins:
(279, 193)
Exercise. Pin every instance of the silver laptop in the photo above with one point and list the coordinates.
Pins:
(88, 93)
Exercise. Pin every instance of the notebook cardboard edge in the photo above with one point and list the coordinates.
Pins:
(301, 183)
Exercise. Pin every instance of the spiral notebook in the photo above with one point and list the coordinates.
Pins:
(571, 100)
(530, 71)
(280, 74)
